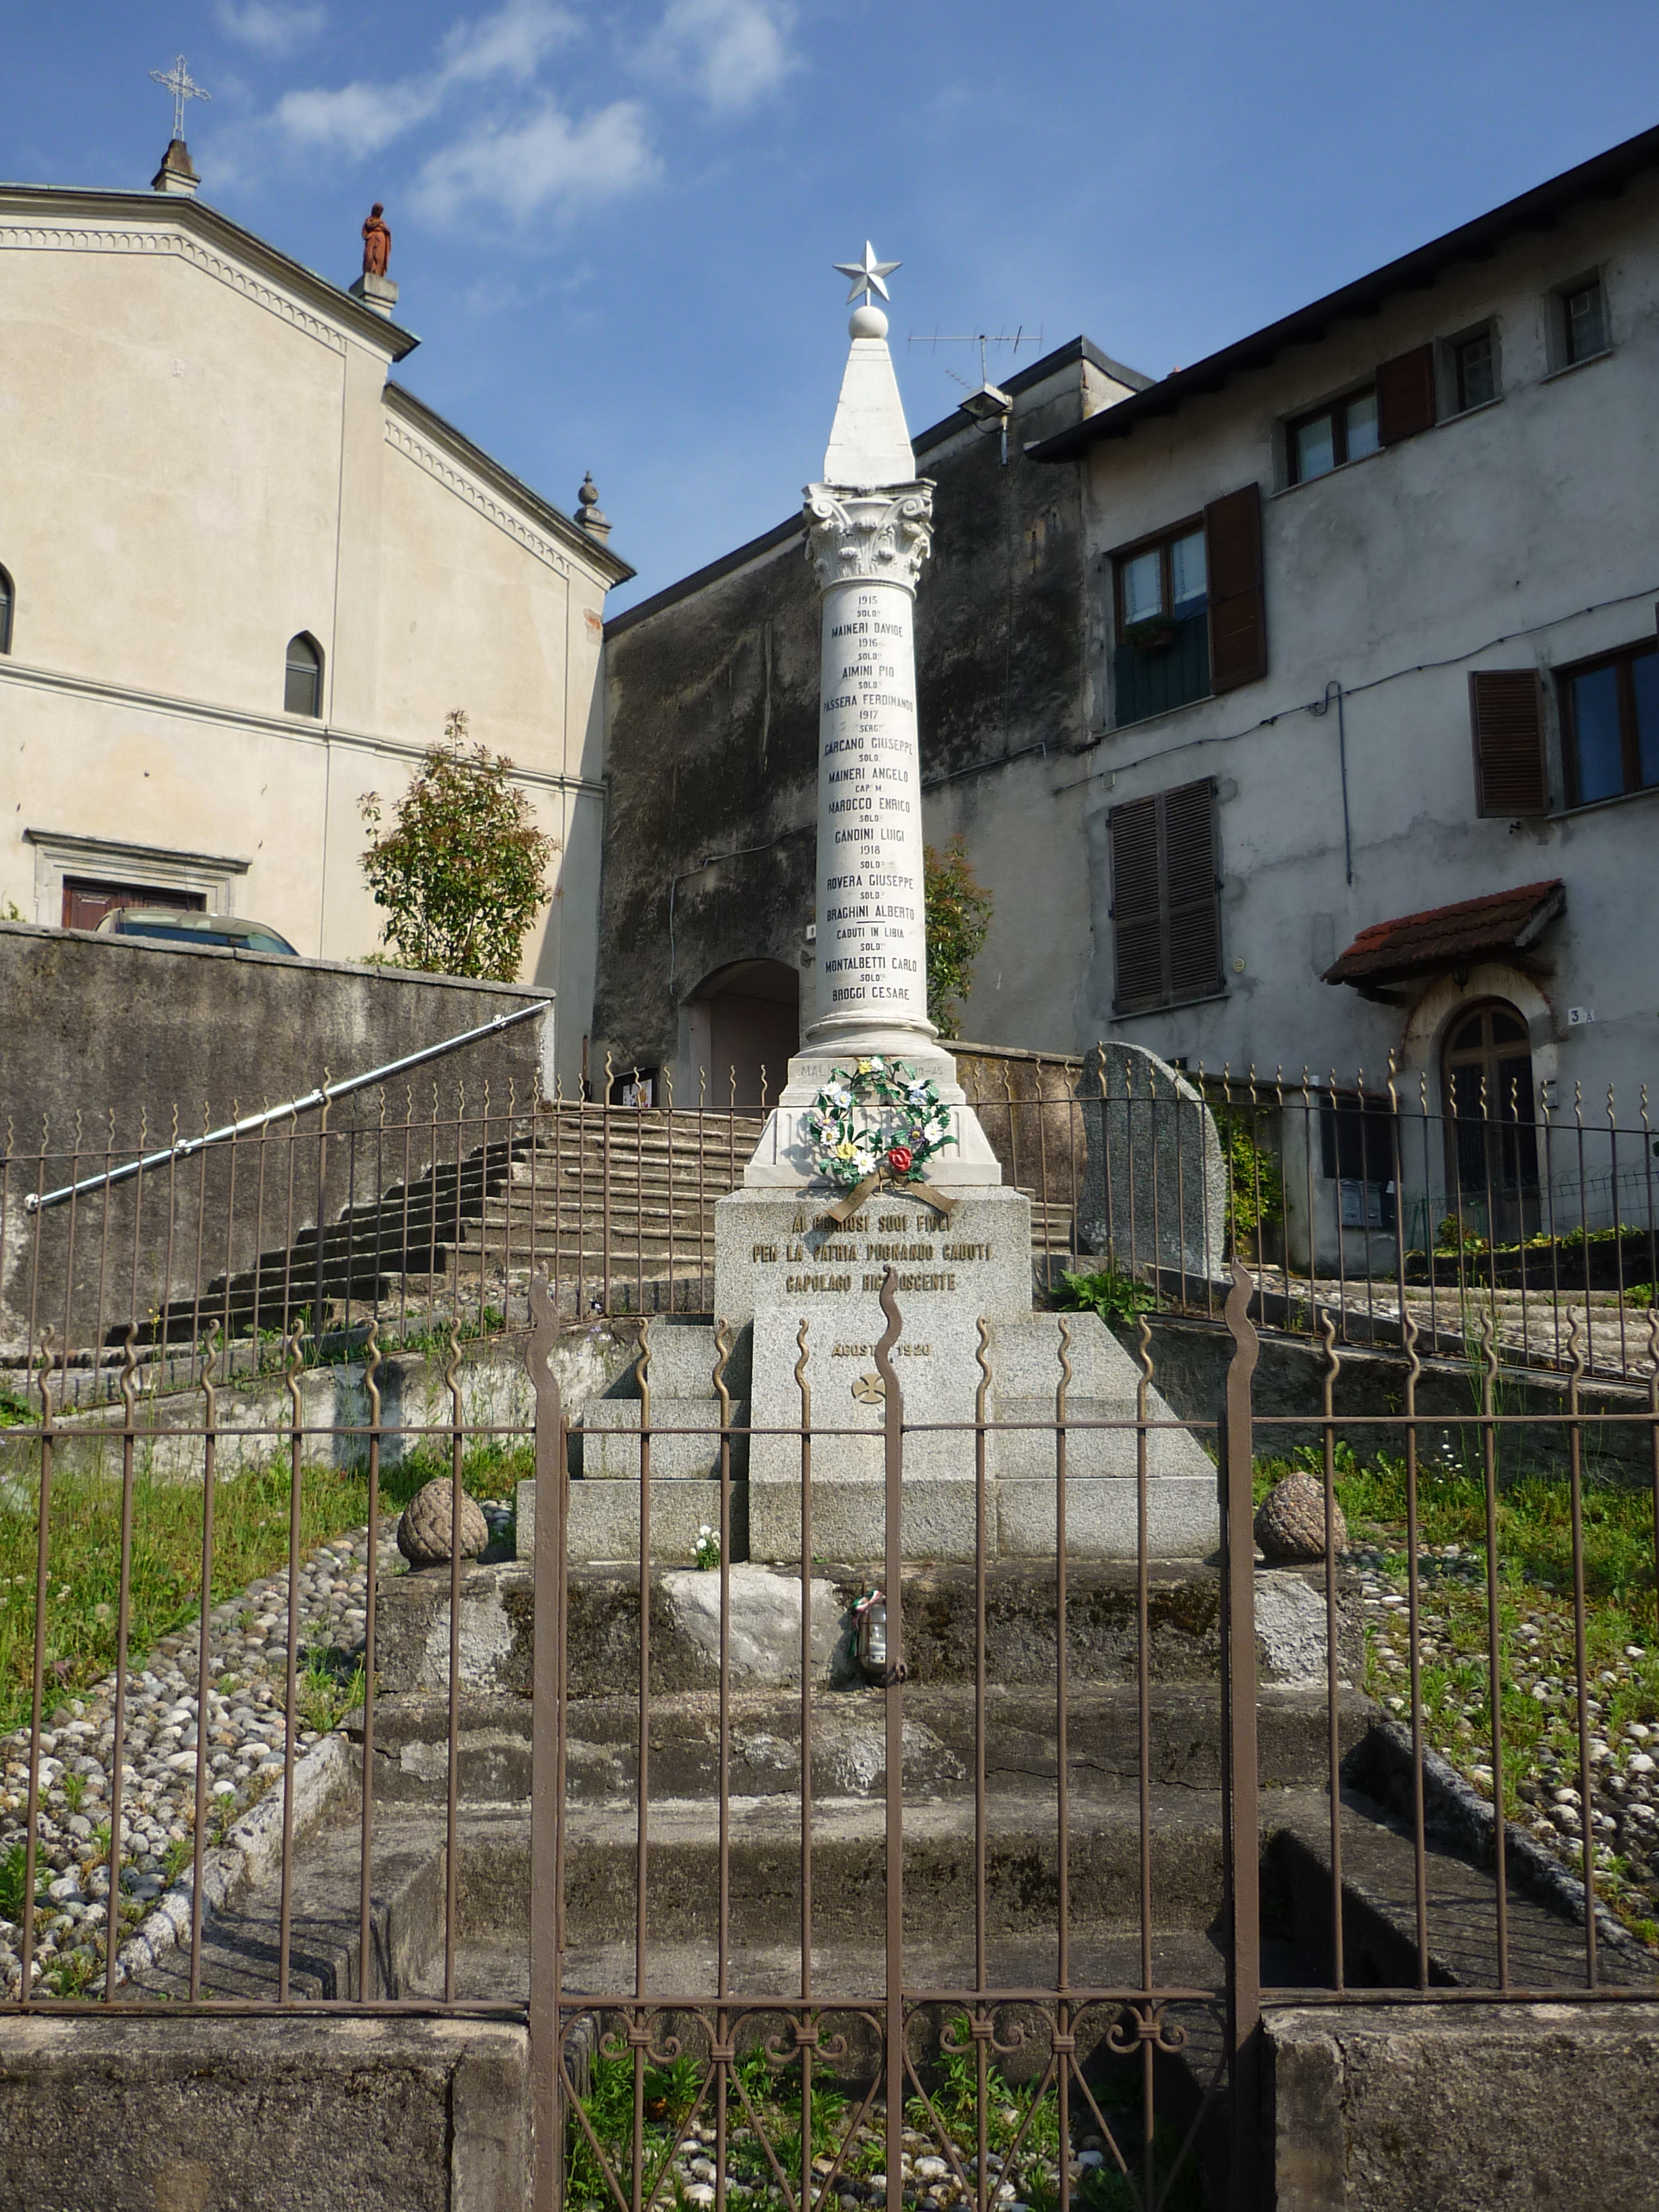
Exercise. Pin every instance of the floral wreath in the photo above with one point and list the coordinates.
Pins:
(880, 1120)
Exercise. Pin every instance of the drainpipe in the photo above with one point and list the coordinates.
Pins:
(1324, 707)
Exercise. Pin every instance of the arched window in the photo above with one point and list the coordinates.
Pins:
(1490, 1096)
(8, 598)
(302, 685)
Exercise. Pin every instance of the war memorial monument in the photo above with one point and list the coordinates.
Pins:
(872, 1160)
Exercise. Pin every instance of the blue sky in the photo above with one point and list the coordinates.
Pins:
(613, 223)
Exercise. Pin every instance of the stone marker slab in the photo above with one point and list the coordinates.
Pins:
(1154, 1190)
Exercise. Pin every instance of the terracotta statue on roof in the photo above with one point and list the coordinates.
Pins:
(377, 242)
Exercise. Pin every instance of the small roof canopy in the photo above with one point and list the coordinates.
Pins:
(1450, 936)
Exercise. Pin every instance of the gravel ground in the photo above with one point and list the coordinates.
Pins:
(1540, 1758)
(247, 1737)
(928, 2180)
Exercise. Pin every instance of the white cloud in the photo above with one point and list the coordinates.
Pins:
(512, 42)
(730, 51)
(545, 161)
(363, 118)
(269, 26)
(358, 119)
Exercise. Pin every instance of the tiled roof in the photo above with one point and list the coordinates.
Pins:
(1450, 936)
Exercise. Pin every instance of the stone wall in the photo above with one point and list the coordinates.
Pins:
(111, 1034)
(319, 2114)
(1414, 2108)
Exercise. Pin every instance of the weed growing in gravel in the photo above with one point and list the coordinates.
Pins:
(14, 1870)
(1022, 2126)
(327, 1688)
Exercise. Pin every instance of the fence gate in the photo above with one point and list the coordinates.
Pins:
(763, 1968)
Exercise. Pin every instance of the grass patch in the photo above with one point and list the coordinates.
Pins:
(250, 1540)
(1534, 1521)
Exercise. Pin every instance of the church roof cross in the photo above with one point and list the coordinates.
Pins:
(179, 82)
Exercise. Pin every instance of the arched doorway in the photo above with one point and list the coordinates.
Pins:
(745, 1027)
(1492, 1142)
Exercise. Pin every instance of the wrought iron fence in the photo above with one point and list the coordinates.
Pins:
(1031, 1969)
(1368, 1205)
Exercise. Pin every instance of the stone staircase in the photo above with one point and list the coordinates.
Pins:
(761, 1760)
(616, 1203)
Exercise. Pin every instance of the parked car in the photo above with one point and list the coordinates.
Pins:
(179, 926)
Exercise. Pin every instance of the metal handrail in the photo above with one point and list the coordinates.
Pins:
(324, 1095)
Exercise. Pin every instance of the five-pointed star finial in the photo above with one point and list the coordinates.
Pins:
(867, 275)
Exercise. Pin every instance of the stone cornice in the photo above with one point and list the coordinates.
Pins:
(61, 219)
(447, 453)
(883, 535)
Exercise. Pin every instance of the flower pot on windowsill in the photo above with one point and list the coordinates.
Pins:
(1150, 636)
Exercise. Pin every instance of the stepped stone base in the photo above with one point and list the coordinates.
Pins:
(797, 1295)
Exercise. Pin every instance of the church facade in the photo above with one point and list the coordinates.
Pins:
(244, 576)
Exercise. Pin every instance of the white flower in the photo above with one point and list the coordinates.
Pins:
(705, 1530)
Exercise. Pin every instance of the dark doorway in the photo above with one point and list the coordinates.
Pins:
(1491, 1137)
(745, 1027)
(86, 903)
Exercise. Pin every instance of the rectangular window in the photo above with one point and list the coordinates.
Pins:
(86, 902)
(1345, 431)
(1163, 656)
(1584, 321)
(1610, 724)
(1191, 613)
(1166, 899)
(1475, 371)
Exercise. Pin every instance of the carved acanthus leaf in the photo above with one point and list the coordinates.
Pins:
(855, 536)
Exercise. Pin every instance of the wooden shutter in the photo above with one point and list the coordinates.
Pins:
(1506, 713)
(1137, 907)
(1239, 619)
(1166, 909)
(1405, 395)
(1191, 893)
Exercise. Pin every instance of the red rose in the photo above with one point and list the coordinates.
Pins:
(899, 1159)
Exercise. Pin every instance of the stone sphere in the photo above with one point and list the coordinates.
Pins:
(1290, 1523)
(424, 1531)
(867, 322)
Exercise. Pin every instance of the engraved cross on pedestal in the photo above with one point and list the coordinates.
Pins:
(183, 87)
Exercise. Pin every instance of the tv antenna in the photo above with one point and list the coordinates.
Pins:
(988, 403)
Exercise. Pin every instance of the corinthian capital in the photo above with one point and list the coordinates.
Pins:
(857, 537)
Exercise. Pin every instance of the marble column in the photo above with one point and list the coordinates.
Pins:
(872, 946)
(869, 525)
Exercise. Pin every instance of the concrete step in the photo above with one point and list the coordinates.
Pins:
(602, 1607)
(849, 1754)
(495, 1875)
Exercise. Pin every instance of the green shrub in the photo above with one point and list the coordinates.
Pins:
(1114, 1297)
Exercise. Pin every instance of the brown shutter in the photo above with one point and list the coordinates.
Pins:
(1191, 893)
(1166, 899)
(1506, 713)
(1238, 620)
(1137, 909)
(1405, 395)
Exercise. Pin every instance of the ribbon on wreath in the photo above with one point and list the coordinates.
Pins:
(886, 1178)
